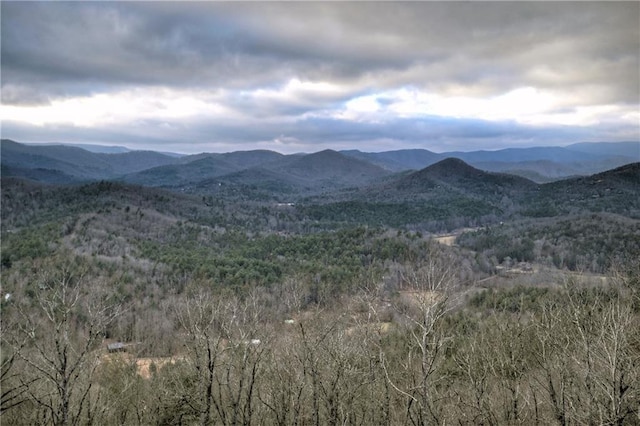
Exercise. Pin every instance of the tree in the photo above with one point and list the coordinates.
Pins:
(223, 358)
(13, 386)
(552, 348)
(605, 356)
(474, 394)
(429, 285)
(56, 338)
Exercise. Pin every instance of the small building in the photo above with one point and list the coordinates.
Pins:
(116, 347)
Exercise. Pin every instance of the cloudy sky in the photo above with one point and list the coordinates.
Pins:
(292, 77)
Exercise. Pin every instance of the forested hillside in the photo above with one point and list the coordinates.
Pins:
(448, 295)
(315, 171)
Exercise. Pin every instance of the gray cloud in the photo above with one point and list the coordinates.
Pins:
(435, 133)
(587, 52)
(248, 44)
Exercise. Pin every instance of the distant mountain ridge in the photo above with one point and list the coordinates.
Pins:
(98, 149)
(324, 169)
(543, 163)
(331, 188)
(455, 169)
(406, 159)
(625, 149)
(329, 164)
(78, 162)
(448, 178)
(313, 173)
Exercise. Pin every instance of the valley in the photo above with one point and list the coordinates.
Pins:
(325, 288)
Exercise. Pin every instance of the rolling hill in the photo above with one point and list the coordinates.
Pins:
(332, 169)
(620, 149)
(448, 178)
(323, 170)
(77, 162)
(302, 175)
(181, 175)
(543, 164)
(399, 160)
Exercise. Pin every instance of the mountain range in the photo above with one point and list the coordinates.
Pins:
(331, 188)
(314, 173)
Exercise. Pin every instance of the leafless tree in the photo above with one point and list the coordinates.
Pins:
(551, 350)
(225, 352)
(473, 396)
(428, 288)
(605, 358)
(13, 385)
(57, 339)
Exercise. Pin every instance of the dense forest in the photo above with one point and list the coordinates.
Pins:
(445, 296)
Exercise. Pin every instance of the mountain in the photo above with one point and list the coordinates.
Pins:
(328, 169)
(398, 160)
(27, 203)
(257, 183)
(77, 162)
(135, 161)
(310, 172)
(543, 171)
(199, 171)
(72, 161)
(629, 173)
(248, 159)
(521, 157)
(452, 194)
(622, 179)
(330, 188)
(614, 191)
(180, 175)
(454, 174)
(541, 164)
(449, 191)
(515, 155)
(620, 149)
(99, 149)
(333, 167)
(39, 175)
(540, 171)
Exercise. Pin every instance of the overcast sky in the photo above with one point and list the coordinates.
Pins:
(292, 77)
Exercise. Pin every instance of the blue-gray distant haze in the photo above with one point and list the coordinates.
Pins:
(302, 77)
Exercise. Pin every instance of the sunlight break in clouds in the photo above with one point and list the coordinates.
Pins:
(197, 76)
(116, 108)
(526, 105)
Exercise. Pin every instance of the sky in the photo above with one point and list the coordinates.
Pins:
(195, 77)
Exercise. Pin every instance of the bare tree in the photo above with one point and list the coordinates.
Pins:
(510, 339)
(224, 352)
(325, 374)
(428, 287)
(474, 395)
(605, 358)
(285, 391)
(201, 318)
(13, 385)
(56, 339)
(552, 349)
